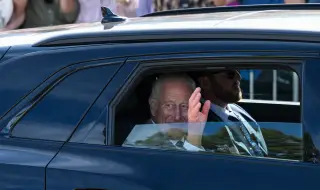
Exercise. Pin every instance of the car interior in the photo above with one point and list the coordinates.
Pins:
(135, 109)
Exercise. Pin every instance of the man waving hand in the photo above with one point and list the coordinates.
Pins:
(221, 89)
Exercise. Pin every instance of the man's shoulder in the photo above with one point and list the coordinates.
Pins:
(239, 109)
(236, 107)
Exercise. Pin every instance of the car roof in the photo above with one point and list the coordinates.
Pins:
(266, 20)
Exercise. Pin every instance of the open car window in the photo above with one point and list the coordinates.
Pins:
(261, 116)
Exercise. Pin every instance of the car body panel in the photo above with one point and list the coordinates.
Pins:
(120, 168)
(23, 163)
(25, 159)
(310, 111)
(3, 51)
(271, 20)
(92, 158)
(56, 170)
(39, 65)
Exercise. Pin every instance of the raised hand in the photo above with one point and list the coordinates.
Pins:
(194, 113)
(196, 118)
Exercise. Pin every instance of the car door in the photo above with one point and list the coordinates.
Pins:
(3, 51)
(35, 130)
(63, 171)
(86, 163)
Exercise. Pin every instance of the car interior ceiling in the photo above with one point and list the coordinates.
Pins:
(134, 109)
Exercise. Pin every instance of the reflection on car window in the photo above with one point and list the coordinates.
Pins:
(167, 136)
(284, 140)
(272, 85)
(56, 115)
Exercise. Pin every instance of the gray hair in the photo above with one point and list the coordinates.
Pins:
(156, 87)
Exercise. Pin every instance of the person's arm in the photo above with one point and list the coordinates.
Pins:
(18, 15)
(69, 10)
(196, 120)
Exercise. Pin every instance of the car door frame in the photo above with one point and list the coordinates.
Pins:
(75, 151)
(26, 159)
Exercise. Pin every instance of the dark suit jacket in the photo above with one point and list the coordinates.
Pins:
(233, 136)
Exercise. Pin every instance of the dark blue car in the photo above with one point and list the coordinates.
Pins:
(72, 95)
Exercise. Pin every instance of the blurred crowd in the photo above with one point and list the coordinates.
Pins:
(17, 14)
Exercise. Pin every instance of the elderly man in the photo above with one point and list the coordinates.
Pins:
(167, 126)
(169, 99)
(222, 90)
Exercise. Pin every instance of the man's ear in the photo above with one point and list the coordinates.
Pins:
(204, 82)
(153, 106)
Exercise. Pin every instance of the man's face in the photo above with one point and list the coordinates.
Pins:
(226, 86)
(173, 102)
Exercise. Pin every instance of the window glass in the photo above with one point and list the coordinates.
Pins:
(276, 85)
(56, 115)
(282, 140)
(209, 112)
(92, 128)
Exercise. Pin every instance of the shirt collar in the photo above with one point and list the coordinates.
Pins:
(223, 113)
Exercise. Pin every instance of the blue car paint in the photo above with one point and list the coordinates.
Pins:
(3, 51)
(23, 162)
(39, 65)
(98, 166)
(118, 168)
(26, 158)
(79, 165)
(311, 102)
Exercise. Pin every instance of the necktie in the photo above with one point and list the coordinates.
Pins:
(254, 148)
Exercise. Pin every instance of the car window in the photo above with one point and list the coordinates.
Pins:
(154, 114)
(281, 85)
(157, 114)
(282, 140)
(56, 115)
(241, 120)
